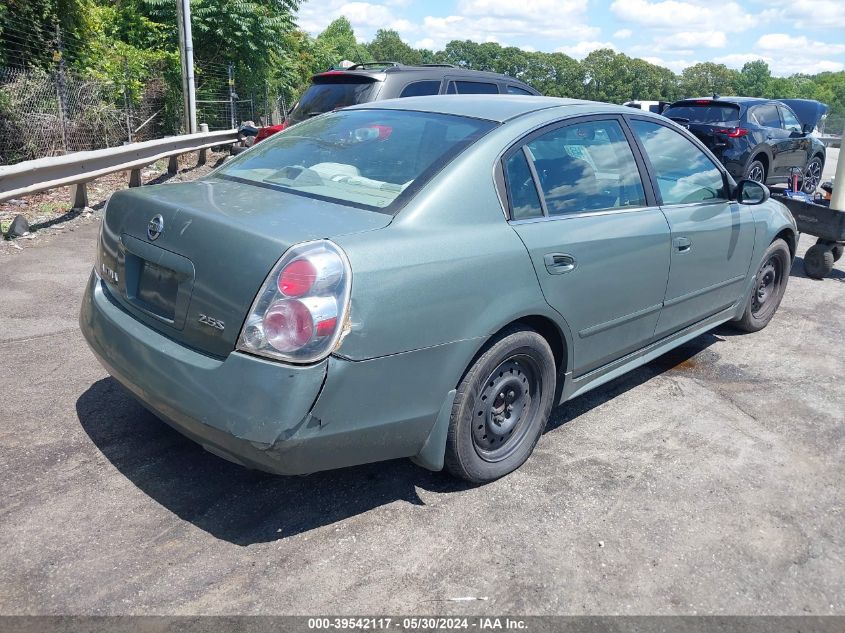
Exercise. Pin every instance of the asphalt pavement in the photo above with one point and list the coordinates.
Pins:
(709, 481)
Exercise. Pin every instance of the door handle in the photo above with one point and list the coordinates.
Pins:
(682, 244)
(557, 263)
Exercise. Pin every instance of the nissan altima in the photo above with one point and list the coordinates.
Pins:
(425, 277)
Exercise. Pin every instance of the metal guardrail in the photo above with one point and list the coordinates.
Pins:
(79, 168)
(830, 140)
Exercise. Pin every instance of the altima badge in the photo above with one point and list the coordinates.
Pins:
(155, 227)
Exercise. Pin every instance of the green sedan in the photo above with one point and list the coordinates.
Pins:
(426, 278)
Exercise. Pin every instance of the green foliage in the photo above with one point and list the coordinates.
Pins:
(707, 78)
(387, 46)
(338, 43)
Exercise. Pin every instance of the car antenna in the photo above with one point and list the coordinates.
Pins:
(716, 95)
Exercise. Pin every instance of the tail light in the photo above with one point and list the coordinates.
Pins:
(732, 132)
(299, 313)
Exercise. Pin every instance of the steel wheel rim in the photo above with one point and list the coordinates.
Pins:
(503, 411)
(768, 282)
(756, 173)
(812, 176)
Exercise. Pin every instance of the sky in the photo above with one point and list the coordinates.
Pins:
(806, 36)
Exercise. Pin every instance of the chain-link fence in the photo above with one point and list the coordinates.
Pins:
(52, 112)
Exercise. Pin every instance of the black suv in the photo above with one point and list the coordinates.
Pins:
(758, 139)
(375, 81)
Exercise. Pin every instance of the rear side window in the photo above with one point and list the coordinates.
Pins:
(472, 88)
(766, 115)
(421, 89)
(525, 203)
(684, 173)
(363, 158)
(586, 167)
(515, 90)
(704, 112)
(325, 97)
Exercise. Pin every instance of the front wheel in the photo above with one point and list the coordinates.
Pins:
(501, 407)
(769, 286)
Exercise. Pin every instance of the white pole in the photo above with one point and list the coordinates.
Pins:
(186, 54)
(837, 198)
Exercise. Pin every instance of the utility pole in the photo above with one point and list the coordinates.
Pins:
(61, 86)
(186, 54)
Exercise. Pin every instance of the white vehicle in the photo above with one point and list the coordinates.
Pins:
(649, 106)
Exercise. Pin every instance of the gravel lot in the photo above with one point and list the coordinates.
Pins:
(709, 481)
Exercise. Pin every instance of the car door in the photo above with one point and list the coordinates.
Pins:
(712, 236)
(767, 117)
(599, 244)
(799, 144)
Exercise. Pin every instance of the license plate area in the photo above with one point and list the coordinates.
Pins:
(158, 282)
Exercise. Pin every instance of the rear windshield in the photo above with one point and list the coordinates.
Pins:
(325, 97)
(372, 159)
(703, 112)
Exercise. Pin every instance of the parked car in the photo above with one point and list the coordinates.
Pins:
(374, 81)
(425, 278)
(650, 106)
(759, 139)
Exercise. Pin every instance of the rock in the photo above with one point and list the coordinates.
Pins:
(18, 228)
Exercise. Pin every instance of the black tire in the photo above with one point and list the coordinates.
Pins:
(501, 407)
(837, 249)
(756, 171)
(812, 175)
(769, 286)
(818, 261)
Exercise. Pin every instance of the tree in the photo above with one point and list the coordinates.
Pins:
(339, 43)
(608, 76)
(707, 78)
(387, 46)
(754, 79)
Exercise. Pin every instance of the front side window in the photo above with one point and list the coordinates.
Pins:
(790, 123)
(684, 173)
(585, 167)
(363, 158)
(421, 89)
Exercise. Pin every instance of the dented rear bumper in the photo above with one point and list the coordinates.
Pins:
(281, 418)
(238, 407)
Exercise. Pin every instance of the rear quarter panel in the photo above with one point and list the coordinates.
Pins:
(449, 267)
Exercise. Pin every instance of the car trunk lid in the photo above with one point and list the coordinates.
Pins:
(217, 241)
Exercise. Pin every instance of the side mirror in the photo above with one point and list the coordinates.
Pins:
(751, 192)
(806, 129)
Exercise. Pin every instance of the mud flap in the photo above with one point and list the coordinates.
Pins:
(433, 451)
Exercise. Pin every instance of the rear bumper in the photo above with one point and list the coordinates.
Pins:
(271, 416)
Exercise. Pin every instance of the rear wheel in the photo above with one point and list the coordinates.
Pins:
(756, 171)
(769, 286)
(818, 261)
(501, 407)
(837, 251)
(812, 175)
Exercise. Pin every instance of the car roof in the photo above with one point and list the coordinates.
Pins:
(499, 108)
(382, 70)
(736, 100)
